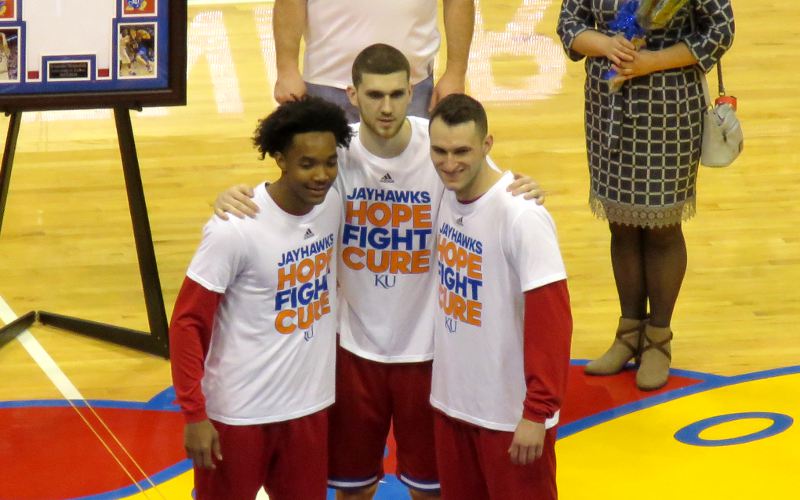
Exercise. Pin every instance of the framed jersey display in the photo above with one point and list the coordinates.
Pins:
(57, 54)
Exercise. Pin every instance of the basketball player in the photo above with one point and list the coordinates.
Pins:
(125, 43)
(503, 322)
(253, 330)
(143, 48)
(386, 275)
(5, 53)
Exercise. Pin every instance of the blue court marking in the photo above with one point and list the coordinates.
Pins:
(691, 433)
(143, 485)
(391, 487)
(708, 382)
(162, 401)
(705, 377)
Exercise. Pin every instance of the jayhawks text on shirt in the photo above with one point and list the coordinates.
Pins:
(387, 231)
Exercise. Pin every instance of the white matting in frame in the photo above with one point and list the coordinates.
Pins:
(56, 28)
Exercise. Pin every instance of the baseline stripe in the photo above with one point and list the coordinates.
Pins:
(41, 357)
(70, 393)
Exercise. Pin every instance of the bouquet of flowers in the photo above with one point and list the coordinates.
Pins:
(634, 19)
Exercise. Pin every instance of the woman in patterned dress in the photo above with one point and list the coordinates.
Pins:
(643, 145)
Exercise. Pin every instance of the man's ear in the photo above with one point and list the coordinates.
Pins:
(487, 144)
(352, 95)
(280, 159)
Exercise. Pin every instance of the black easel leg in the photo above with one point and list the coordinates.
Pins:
(154, 301)
(8, 160)
(155, 342)
(10, 331)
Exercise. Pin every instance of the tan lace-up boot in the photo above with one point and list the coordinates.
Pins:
(626, 346)
(656, 357)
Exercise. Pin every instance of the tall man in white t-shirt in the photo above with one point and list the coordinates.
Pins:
(336, 31)
(253, 331)
(503, 322)
(386, 273)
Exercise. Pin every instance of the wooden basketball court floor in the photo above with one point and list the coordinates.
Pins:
(81, 418)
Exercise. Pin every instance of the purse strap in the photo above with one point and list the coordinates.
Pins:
(720, 85)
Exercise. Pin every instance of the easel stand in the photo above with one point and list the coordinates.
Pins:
(155, 342)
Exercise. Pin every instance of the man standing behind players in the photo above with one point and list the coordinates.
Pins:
(336, 31)
(253, 330)
(503, 322)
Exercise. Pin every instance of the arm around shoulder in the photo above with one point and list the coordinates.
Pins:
(236, 200)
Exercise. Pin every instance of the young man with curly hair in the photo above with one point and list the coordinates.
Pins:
(253, 332)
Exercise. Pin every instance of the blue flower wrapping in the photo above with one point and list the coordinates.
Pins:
(634, 19)
(627, 24)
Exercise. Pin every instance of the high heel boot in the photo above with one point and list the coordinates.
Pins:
(656, 357)
(626, 346)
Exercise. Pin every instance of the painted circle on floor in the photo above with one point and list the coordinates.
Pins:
(691, 433)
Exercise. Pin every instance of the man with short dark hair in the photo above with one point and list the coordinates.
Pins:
(503, 322)
(253, 330)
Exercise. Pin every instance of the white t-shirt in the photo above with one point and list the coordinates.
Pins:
(386, 269)
(337, 30)
(272, 352)
(489, 253)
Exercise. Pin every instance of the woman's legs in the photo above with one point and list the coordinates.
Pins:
(627, 260)
(665, 267)
(649, 266)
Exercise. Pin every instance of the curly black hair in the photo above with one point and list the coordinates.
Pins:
(310, 114)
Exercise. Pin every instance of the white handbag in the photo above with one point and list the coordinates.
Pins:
(722, 133)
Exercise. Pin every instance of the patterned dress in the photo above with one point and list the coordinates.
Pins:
(643, 142)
